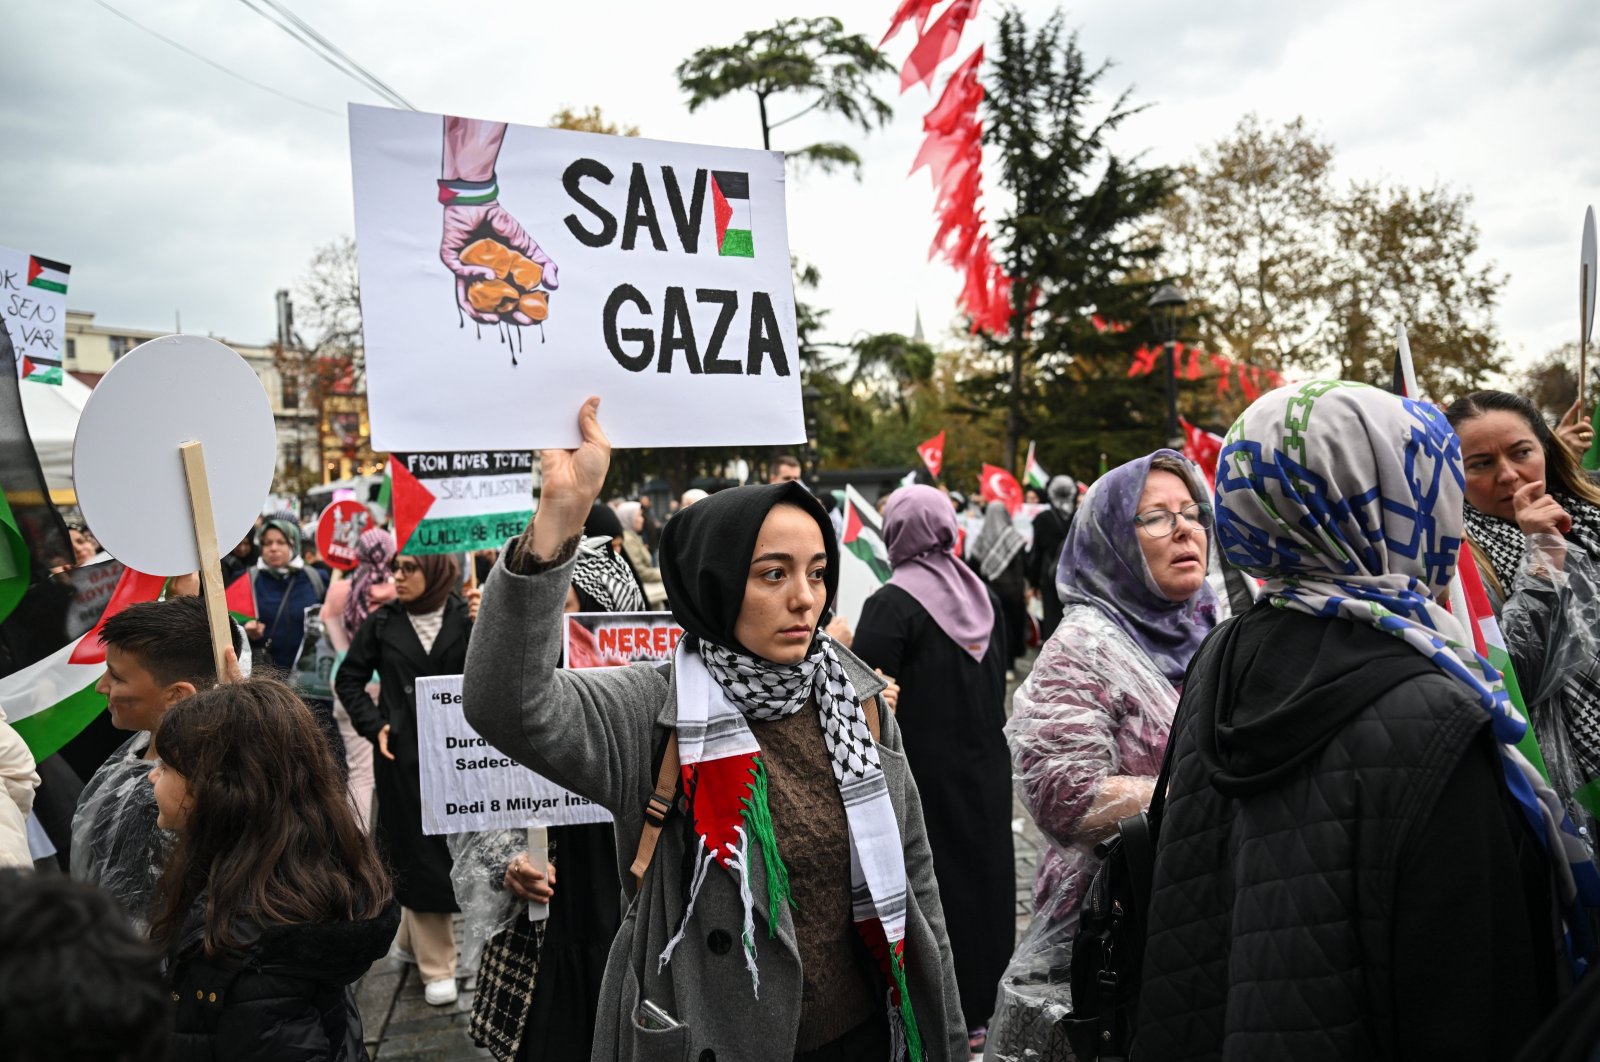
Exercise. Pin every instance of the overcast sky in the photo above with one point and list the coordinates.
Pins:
(170, 187)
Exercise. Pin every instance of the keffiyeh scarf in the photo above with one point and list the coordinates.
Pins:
(718, 690)
(606, 577)
(997, 542)
(1505, 543)
(1347, 500)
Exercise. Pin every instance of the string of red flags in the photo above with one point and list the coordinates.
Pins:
(952, 153)
(1191, 363)
(1203, 448)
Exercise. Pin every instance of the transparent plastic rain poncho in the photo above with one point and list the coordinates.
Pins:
(1551, 624)
(1087, 732)
(477, 873)
(115, 841)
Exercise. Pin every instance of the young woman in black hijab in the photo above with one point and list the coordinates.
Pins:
(789, 890)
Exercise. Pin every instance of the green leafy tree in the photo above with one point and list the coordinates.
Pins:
(1293, 271)
(1411, 256)
(1251, 232)
(812, 58)
(589, 121)
(1074, 240)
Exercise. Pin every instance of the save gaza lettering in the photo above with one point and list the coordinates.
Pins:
(635, 348)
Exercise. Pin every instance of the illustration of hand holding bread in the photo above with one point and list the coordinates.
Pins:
(502, 277)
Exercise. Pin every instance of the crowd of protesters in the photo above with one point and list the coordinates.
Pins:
(1365, 841)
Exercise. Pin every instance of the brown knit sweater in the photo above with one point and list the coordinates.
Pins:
(841, 986)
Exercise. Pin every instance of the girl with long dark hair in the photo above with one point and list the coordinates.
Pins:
(272, 902)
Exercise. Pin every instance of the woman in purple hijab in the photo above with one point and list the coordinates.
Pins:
(1089, 726)
(937, 630)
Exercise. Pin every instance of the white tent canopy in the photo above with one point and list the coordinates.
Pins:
(52, 413)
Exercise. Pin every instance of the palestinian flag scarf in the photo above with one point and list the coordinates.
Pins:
(718, 690)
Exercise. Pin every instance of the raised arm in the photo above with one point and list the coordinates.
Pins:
(590, 731)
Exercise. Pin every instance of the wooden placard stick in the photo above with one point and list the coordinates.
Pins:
(205, 539)
(539, 857)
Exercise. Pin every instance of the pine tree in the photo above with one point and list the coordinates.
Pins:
(1074, 242)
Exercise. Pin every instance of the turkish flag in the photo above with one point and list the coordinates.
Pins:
(960, 98)
(937, 44)
(1203, 448)
(932, 454)
(999, 485)
(908, 10)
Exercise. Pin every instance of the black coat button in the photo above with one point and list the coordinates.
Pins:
(708, 1055)
(719, 942)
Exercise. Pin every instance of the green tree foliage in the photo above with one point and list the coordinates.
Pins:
(813, 58)
(1074, 239)
(1291, 270)
(589, 121)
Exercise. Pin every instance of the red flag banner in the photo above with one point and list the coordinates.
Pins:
(996, 484)
(960, 98)
(932, 454)
(1203, 448)
(908, 10)
(936, 45)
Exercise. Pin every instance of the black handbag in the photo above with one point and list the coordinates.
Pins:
(1108, 950)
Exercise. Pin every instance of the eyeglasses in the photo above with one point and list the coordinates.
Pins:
(404, 567)
(1159, 523)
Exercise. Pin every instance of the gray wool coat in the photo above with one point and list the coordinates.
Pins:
(595, 733)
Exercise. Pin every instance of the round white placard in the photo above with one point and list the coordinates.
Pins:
(125, 462)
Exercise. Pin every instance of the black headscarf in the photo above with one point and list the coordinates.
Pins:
(602, 520)
(705, 556)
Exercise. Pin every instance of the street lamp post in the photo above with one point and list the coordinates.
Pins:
(809, 399)
(1166, 308)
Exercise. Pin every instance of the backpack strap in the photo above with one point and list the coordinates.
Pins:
(668, 779)
(656, 810)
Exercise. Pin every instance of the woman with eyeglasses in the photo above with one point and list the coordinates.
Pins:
(1089, 726)
(422, 632)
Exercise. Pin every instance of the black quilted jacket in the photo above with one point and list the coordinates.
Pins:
(286, 999)
(1339, 873)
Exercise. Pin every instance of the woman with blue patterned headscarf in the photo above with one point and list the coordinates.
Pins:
(1349, 827)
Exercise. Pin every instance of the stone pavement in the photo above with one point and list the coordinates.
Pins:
(402, 1027)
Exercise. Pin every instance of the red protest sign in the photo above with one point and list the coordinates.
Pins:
(339, 530)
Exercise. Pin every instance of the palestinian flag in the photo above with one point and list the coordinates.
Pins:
(51, 700)
(41, 370)
(241, 600)
(1032, 474)
(48, 275)
(730, 202)
(863, 535)
(451, 503)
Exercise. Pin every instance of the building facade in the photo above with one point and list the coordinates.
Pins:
(92, 348)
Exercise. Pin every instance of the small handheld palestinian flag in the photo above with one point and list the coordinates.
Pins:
(1033, 475)
(730, 204)
(241, 599)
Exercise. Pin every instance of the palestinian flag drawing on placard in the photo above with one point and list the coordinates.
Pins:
(51, 276)
(451, 503)
(730, 201)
